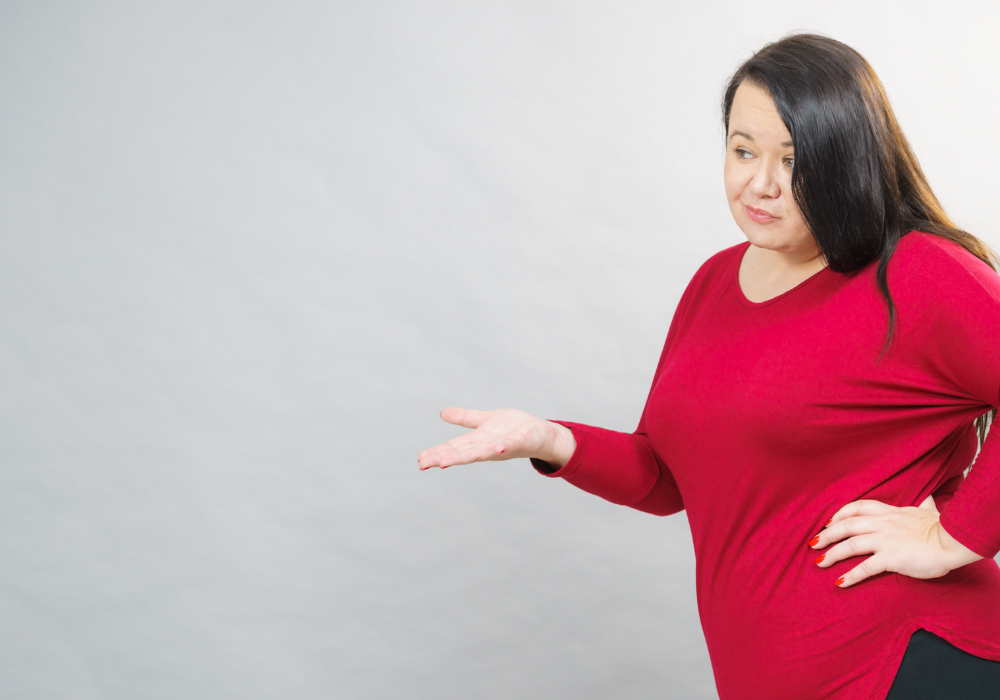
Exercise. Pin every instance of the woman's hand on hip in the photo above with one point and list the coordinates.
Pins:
(908, 541)
(504, 433)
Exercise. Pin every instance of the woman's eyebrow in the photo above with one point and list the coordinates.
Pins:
(748, 137)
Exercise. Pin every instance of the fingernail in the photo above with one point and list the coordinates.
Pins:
(828, 522)
(820, 558)
(838, 581)
(813, 541)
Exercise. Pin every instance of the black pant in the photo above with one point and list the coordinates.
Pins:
(933, 669)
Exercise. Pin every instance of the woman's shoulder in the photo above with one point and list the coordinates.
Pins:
(939, 266)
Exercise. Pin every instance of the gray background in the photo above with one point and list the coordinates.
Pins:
(247, 253)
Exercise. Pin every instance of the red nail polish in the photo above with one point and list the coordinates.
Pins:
(828, 522)
(838, 581)
(814, 540)
(820, 558)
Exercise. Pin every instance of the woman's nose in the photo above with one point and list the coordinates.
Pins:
(764, 184)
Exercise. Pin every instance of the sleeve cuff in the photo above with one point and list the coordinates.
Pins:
(575, 460)
(543, 467)
(983, 549)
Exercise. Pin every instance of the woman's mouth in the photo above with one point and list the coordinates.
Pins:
(759, 215)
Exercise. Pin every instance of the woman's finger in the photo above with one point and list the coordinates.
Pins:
(862, 544)
(466, 417)
(444, 455)
(431, 457)
(869, 567)
(464, 440)
(850, 527)
(862, 507)
(449, 454)
(466, 454)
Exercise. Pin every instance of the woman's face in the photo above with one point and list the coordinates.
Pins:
(758, 174)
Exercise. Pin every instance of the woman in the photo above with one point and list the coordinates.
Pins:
(819, 393)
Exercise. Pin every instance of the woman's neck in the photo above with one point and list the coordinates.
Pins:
(765, 274)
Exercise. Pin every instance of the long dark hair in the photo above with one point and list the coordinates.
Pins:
(856, 181)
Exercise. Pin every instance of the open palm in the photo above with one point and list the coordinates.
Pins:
(504, 433)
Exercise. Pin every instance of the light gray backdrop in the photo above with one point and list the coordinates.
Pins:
(247, 253)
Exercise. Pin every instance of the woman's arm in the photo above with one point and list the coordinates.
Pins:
(953, 302)
(972, 516)
(619, 467)
(964, 345)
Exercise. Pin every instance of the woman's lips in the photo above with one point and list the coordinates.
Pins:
(759, 215)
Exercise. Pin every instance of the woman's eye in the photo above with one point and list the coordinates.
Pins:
(790, 162)
(742, 153)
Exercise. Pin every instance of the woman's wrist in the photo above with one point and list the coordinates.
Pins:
(561, 446)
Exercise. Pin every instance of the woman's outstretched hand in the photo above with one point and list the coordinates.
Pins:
(504, 433)
(909, 541)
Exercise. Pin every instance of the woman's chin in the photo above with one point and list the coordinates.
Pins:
(767, 240)
(777, 240)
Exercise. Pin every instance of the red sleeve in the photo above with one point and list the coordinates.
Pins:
(962, 332)
(623, 467)
(972, 516)
(618, 467)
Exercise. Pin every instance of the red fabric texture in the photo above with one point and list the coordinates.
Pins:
(766, 418)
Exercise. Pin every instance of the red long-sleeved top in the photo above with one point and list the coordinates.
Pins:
(766, 418)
